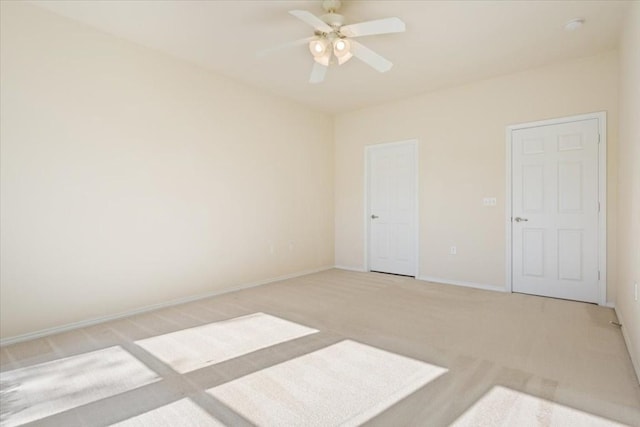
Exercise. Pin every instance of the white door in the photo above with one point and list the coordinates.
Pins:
(555, 210)
(392, 207)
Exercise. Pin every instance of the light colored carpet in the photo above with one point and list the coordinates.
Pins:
(183, 412)
(332, 348)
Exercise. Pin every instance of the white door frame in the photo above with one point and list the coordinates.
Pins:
(602, 196)
(414, 144)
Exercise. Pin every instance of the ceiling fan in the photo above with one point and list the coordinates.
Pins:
(334, 41)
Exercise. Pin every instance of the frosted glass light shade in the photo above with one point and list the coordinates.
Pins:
(342, 50)
(318, 47)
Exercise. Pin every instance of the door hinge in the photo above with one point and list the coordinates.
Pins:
(598, 206)
(598, 274)
(598, 138)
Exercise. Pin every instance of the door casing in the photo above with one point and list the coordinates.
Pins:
(602, 195)
(367, 174)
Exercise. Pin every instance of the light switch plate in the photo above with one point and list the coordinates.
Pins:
(489, 201)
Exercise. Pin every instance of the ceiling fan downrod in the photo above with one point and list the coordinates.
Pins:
(330, 6)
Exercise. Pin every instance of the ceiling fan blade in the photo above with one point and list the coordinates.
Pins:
(369, 57)
(317, 73)
(312, 20)
(267, 51)
(369, 28)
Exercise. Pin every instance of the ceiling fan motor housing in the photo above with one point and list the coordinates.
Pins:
(334, 20)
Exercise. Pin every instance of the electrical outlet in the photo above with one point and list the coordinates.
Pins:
(489, 201)
(453, 250)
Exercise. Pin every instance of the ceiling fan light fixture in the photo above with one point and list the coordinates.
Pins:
(344, 58)
(324, 59)
(342, 50)
(341, 45)
(318, 47)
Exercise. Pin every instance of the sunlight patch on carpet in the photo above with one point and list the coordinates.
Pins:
(503, 406)
(42, 390)
(344, 384)
(195, 348)
(183, 413)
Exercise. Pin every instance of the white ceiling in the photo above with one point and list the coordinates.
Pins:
(447, 43)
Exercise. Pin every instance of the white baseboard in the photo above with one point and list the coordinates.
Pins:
(609, 304)
(486, 287)
(342, 267)
(634, 361)
(90, 322)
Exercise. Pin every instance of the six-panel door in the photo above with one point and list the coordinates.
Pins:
(555, 210)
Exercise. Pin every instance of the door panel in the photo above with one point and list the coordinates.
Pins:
(533, 188)
(570, 187)
(555, 210)
(392, 205)
(533, 247)
(570, 250)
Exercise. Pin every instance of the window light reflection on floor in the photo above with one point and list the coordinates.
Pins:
(194, 348)
(502, 406)
(42, 390)
(344, 384)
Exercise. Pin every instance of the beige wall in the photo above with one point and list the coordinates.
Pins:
(461, 132)
(130, 178)
(629, 184)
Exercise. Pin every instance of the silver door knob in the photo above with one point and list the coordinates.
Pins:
(518, 219)
(374, 216)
